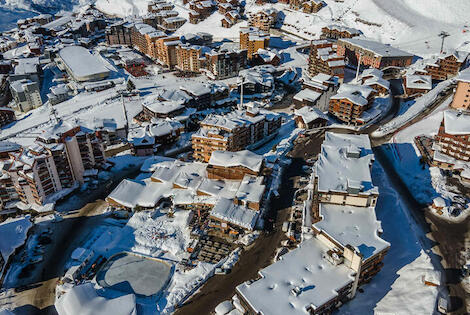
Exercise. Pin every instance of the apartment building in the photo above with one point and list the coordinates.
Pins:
(166, 50)
(351, 102)
(461, 100)
(443, 66)
(257, 82)
(234, 131)
(252, 39)
(312, 6)
(153, 107)
(324, 59)
(334, 31)
(7, 188)
(223, 64)
(372, 53)
(26, 95)
(61, 156)
(171, 23)
(148, 138)
(263, 20)
(144, 38)
(452, 143)
(190, 58)
(374, 78)
(7, 115)
(351, 184)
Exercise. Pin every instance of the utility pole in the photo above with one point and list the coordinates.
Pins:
(443, 35)
(125, 113)
(240, 106)
(358, 66)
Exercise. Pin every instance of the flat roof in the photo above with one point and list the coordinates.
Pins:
(303, 269)
(456, 123)
(82, 63)
(337, 170)
(356, 226)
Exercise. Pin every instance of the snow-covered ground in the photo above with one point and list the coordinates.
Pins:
(413, 110)
(412, 25)
(425, 183)
(154, 234)
(398, 287)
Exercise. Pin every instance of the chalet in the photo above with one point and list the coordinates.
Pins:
(234, 165)
(337, 31)
(416, 85)
(310, 117)
(147, 139)
(324, 59)
(350, 102)
(312, 6)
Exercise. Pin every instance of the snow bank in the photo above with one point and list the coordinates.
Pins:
(154, 232)
(417, 108)
(398, 288)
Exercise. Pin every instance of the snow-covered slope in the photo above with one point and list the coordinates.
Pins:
(412, 25)
(13, 10)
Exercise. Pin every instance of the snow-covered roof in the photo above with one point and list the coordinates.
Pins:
(357, 94)
(321, 78)
(375, 47)
(13, 234)
(310, 114)
(251, 189)
(83, 300)
(157, 128)
(162, 107)
(231, 120)
(344, 164)
(266, 55)
(356, 226)
(416, 81)
(379, 81)
(439, 202)
(464, 76)
(21, 85)
(456, 123)
(7, 146)
(82, 63)
(27, 66)
(372, 72)
(341, 28)
(303, 270)
(307, 94)
(244, 158)
(132, 193)
(241, 216)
